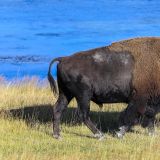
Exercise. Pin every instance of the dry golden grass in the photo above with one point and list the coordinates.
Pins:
(26, 129)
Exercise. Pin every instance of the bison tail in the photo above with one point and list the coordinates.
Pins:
(51, 80)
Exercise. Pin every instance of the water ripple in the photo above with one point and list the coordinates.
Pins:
(24, 59)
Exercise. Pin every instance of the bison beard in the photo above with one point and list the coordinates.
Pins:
(126, 71)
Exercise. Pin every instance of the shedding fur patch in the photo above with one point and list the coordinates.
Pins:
(98, 57)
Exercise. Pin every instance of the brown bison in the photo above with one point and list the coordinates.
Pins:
(127, 71)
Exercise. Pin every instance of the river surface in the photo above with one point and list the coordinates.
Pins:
(32, 32)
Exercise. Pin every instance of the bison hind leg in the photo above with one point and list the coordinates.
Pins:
(84, 107)
(61, 104)
(130, 115)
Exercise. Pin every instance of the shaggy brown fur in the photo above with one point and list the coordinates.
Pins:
(146, 53)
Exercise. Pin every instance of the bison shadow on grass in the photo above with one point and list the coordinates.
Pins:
(106, 121)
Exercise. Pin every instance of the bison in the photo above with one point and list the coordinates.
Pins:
(126, 71)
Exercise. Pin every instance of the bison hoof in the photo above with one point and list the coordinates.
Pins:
(119, 135)
(99, 136)
(58, 137)
(152, 133)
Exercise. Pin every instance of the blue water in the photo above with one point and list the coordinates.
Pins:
(32, 32)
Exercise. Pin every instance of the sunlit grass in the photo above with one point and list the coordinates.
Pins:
(26, 129)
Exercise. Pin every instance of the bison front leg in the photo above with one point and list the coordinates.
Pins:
(84, 108)
(129, 116)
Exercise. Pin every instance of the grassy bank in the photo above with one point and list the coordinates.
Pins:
(26, 128)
